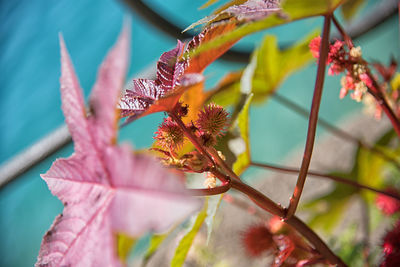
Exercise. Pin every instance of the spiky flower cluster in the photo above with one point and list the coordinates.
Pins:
(257, 239)
(212, 122)
(341, 60)
(278, 238)
(169, 135)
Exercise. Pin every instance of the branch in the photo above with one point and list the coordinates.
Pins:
(312, 125)
(267, 204)
(326, 176)
(210, 191)
(336, 130)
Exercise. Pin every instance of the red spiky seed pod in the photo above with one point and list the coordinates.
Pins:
(257, 239)
(213, 120)
(391, 247)
(169, 135)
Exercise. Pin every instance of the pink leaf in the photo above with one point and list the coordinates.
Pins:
(253, 9)
(106, 91)
(105, 188)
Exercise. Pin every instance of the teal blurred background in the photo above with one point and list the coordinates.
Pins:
(30, 99)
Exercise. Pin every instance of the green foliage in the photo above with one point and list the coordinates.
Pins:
(309, 8)
(124, 246)
(155, 242)
(274, 65)
(186, 242)
(243, 159)
(329, 209)
(293, 10)
(350, 8)
(268, 68)
(213, 204)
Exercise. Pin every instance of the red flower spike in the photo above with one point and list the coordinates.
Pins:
(391, 247)
(386, 204)
(257, 239)
(213, 120)
(169, 135)
(314, 46)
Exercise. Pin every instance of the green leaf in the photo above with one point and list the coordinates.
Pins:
(208, 3)
(350, 8)
(155, 242)
(213, 204)
(186, 242)
(309, 8)
(124, 246)
(293, 9)
(243, 159)
(395, 83)
(274, 66)
(329, 209)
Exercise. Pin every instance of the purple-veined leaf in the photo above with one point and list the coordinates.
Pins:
(105, 188)
(177, 72)
(237, 13)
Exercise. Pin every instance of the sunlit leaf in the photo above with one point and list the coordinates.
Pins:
(243, 159)
(292, 9)
(213, 204)
(186, 242)
(274, 65)
(328, 210)
(227, 92)
(208, 3)
(155, 242)
(124, 246)
(350, 8)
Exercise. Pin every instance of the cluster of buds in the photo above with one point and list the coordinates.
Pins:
(357, 79)
(350, 61)
(280, 239)
(212, 123)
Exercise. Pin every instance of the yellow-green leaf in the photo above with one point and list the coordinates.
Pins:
(213, 204)
(274, 65)
(186, 242)
(124, 246)
(243, 160)
(155, 242)
(293, 10)
(350, 8)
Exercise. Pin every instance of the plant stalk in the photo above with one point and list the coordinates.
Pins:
(325, 176)
(313, 119)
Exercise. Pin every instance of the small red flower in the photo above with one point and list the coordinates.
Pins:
(391, 247)
(257, 239)
(213, 120)
(386, 204)
(314, 46)
(169, 135)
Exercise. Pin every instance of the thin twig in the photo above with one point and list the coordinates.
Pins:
(325, 176)
(336, 130)
(312, 125)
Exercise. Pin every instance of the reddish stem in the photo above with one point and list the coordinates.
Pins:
(267, 204)
(326, 176)
(210, 191)
(313, 119)
(343, 33)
